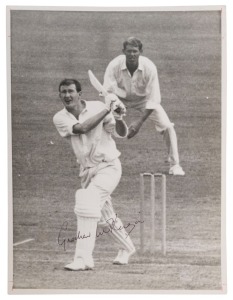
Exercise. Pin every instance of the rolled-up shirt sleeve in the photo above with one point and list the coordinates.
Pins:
(153, 96)
(64, 125)
(110, 81)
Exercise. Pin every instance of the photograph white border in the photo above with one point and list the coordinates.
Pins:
(229, 124)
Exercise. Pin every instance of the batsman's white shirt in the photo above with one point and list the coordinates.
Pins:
(138, 91)
(100, 168)
(95, 146)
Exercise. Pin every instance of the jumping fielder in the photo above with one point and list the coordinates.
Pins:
(88, 126)
(134, 79)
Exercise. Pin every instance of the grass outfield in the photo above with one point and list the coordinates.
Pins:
(186, 47)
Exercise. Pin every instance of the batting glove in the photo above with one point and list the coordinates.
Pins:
(117, 107)
(110, 99)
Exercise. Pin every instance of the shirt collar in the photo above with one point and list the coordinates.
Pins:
(86, 107)
(140, 65)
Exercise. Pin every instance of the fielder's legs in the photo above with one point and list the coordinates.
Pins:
(165, 127)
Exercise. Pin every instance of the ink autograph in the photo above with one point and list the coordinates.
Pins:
(63, 241)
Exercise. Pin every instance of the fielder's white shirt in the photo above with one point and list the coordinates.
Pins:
(94, 146)
(140, 90)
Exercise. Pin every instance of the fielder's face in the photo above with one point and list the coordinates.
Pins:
(132, 54)
(69, 95)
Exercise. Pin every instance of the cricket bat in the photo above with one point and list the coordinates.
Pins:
(96, 84)
(122, 130)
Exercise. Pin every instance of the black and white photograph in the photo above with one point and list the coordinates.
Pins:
(117, 140)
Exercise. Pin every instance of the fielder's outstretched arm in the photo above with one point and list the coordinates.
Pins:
(145, 115)
(136, 125)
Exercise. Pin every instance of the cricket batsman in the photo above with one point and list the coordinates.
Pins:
(88, 126)
(134, 79)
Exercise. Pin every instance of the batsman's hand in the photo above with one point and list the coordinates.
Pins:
(133, 129)
(116, 106)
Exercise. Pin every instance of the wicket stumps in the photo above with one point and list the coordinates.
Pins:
(153, 210)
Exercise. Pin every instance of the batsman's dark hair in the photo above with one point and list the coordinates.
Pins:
(69, 81)
(132, 41)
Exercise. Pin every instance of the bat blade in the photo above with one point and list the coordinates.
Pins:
(96, 84)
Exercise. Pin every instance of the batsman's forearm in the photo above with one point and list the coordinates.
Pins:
(145, 115)
(90, 123)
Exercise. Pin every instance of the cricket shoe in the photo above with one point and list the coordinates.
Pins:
(176, 170)
(123, 257)
(79, 265)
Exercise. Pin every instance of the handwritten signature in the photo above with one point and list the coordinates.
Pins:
(62, 241)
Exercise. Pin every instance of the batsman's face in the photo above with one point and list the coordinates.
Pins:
(69, 95)
(132, 55)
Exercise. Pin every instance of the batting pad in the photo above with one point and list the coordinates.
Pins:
(87, 203)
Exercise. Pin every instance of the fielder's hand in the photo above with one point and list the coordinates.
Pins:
(133, 129)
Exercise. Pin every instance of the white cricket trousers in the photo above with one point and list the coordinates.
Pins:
(104, 178)
(163, 125)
